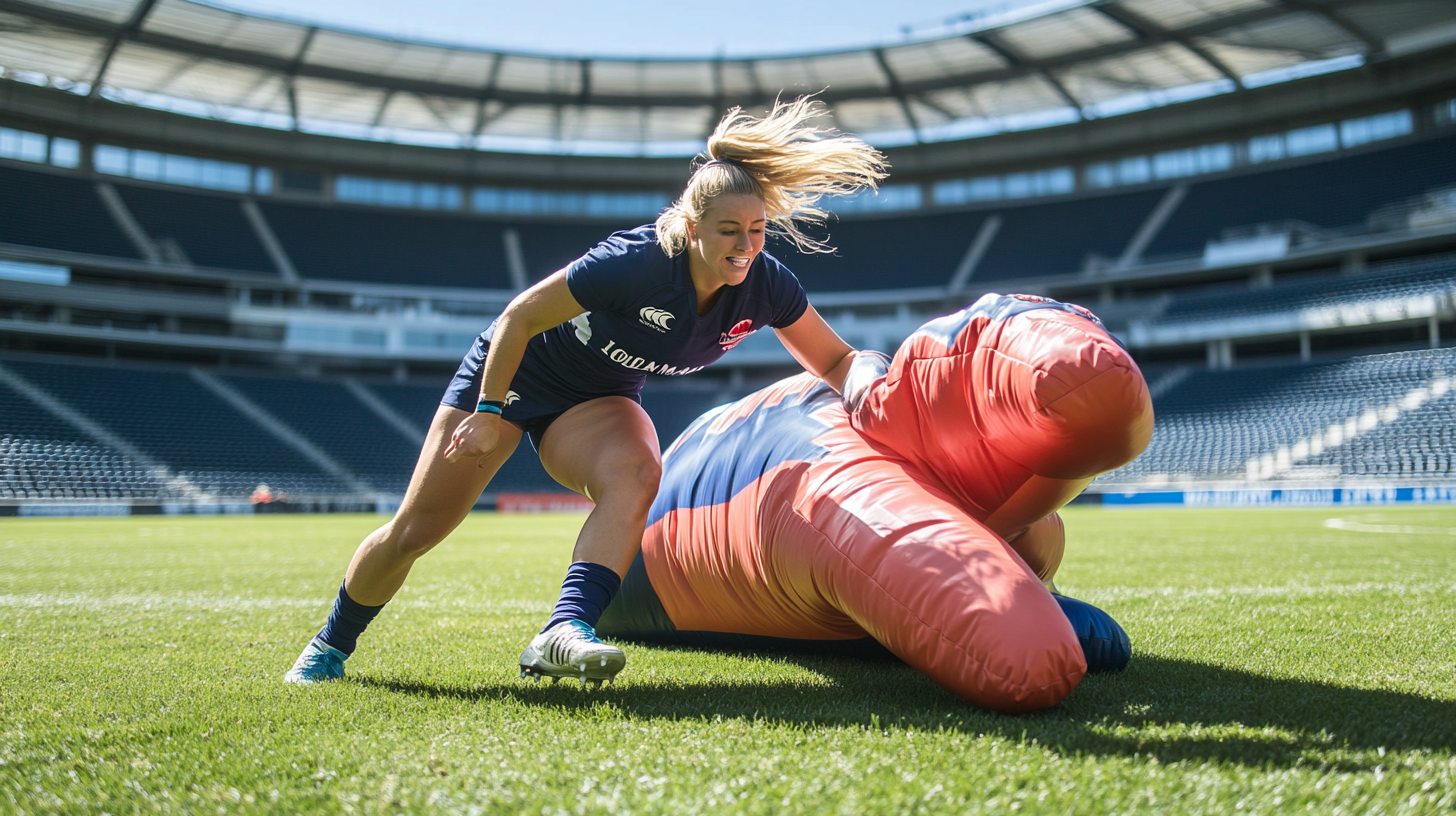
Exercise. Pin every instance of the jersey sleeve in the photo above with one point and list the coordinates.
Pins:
(785, 294)
(613, 272)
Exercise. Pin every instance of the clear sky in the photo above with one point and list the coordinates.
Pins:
(632, 28)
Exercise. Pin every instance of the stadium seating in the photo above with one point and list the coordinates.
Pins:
(210, 229)
(1433, 274)
(175, 420)
(384, 246)
(418, 403)
(1213, 423)
(58, 211)
(908, 250)
(1210, 425)
(1329, 194)
(549, 246)
(902, 252)
(334, 420)
(1419, 445)
(673, 408)
(42, 457)
(1040, 240)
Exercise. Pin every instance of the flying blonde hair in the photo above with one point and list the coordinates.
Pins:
(786, 162)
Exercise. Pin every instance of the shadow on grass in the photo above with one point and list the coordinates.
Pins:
(1171, 709)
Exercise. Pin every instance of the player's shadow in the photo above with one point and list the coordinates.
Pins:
(1171, 709)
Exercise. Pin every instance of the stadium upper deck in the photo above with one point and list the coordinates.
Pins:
(212, 185)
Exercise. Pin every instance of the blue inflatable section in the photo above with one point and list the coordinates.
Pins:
(1104, 642)
(704, 468)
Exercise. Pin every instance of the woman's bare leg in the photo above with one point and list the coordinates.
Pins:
(606, 449)
(439, 497)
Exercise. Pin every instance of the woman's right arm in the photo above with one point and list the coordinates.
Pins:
(544, 306)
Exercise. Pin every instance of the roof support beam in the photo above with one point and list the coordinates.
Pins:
(383, 105)
(1019, 62)
(292, 70)
(126, 32)
(1372, 43)
(899, 93)
(483, 119)
(1152, 33)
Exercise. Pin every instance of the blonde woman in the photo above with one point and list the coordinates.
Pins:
(565, 363)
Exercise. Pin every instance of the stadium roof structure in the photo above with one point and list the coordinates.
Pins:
(1040, 65)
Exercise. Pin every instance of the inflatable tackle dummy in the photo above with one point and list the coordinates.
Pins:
(918, 510)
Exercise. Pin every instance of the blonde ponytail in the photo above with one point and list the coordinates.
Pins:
(786, 162)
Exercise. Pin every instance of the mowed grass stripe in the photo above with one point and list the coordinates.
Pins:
(1280, 665)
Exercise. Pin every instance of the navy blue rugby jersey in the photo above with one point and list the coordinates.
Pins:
(642, 318)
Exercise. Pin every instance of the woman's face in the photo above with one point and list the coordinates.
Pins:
(727, 240)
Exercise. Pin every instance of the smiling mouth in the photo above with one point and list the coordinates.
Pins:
(741, 263)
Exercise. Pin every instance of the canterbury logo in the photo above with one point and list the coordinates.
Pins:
(511, 397)
(659, 318)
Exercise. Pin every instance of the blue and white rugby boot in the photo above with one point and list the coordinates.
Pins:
(319, 662)
(571, 649)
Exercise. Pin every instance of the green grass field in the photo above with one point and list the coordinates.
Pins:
(1279, 665)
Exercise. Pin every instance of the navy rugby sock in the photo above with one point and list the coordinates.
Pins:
(585, 593)
(347, 622)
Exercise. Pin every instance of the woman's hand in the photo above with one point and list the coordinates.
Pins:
(474, 438)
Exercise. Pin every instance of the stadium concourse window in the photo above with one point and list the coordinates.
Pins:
(173, 169)
(1325, 138)
(1169, 164)
(397, 193)
(22, 145)
(890, 198)
(1214, 158)
(1052, 181)
(519, 201)
(1446, 113)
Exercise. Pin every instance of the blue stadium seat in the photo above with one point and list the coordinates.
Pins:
(549, 246)
(42, 457)
(1393, 279)
(57, 211)
(1212, 423)
(381, 246)
(210, 228)
(331, 418)
(171, 417)
(418, 403)
(903, 252)
(1040, 240)
(1331, 194)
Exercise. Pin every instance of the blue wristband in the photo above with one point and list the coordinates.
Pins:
(489, 407)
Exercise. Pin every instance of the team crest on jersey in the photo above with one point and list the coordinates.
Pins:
(735, 335)
(656, 318)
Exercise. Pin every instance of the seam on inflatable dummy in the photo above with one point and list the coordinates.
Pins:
(1086, 383)
(939, 634)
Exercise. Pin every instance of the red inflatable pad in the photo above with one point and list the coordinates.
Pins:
(897, 524)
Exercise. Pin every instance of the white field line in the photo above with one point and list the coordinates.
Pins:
(86, 601)
(1284, 591)
(1397, 529)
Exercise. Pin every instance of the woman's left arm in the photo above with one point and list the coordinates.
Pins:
(817, 348)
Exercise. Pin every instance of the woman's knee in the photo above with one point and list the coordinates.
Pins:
(634, 479)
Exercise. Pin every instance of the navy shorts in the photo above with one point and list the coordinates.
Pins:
(530, 405)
